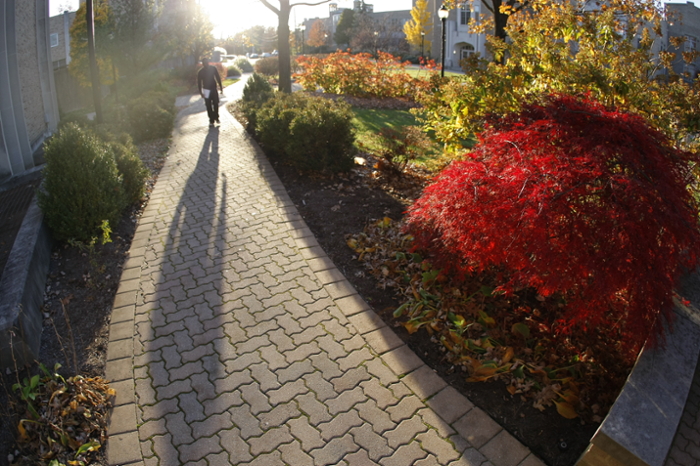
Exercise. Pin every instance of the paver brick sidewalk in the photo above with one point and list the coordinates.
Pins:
(234, 339)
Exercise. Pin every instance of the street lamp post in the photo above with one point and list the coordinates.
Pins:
(443, 13)
(422, 42)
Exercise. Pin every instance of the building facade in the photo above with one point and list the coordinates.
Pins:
(28, 106)
(683, 21)
(387, 26)
(59, 38)
(460, 42)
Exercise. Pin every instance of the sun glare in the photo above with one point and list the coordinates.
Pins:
(232, 16)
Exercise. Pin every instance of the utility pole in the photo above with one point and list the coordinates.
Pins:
(94, 75)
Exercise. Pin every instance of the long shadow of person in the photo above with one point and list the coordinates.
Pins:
(185, 326)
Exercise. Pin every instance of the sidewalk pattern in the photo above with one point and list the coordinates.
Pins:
(234, 339)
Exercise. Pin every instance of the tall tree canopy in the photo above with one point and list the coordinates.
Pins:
(420, 26)
(343, 31)
(79, 66)
(318, 34)
(133, 22)
(500, 11)
(189, 32)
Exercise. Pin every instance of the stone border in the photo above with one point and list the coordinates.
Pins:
(22, 291)
(642, 423)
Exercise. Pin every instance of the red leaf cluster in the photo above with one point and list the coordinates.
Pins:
(575, 200)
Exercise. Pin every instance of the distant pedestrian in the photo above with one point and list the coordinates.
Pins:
(207, 79)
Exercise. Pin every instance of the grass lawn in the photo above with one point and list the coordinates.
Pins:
(368, 123)
(228, 81)
(421, 73)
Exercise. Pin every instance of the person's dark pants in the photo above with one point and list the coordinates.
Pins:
(213, 106)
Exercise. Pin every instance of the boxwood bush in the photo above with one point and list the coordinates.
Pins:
(312, 133)
(82, 186)
(134, 173)
(256, 92)
(243, 64)
(269, 66)
(152, 115)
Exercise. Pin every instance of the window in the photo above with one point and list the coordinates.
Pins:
(54, 39)
(464, 15)
(689, 43)
(466, 50)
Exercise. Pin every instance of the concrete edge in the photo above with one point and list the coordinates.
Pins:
(22, 290)
(640, 427)
(123, 445)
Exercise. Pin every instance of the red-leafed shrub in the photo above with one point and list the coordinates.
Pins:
(575, 200)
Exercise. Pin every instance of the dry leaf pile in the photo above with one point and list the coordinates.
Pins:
(65, 421)
(490, 336)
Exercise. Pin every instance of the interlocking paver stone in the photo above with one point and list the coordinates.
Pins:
(237, 341)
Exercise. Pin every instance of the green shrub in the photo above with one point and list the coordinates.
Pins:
(243, 64)
(312, 133)
(152, 115)
(256, 92)
(274, 120)
(82, 187)
(269, 66)
(134, 173)
(232, 70)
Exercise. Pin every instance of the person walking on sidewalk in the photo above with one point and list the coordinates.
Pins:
(207, 79)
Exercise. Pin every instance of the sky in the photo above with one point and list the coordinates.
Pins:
(231, 16)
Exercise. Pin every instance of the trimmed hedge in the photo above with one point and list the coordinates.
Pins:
(152, 115)
(82, 186)
(312, 133)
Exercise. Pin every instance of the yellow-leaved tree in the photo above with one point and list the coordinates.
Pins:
(419, 27)
(614, 52)
(79, 66)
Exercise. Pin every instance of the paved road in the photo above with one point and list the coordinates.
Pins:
(234, 339)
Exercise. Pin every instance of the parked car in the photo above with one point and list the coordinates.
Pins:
(265, 55)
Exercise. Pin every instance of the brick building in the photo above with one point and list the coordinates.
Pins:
(28, 106)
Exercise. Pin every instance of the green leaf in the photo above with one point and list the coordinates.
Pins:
(458, 320)
(486, 319)
(86, 447)
(400, 310)
(522, 329)
(35, 381)
(519, 373)
(474, 347)
(486, 290)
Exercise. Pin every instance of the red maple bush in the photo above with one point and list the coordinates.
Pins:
(582, 203)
